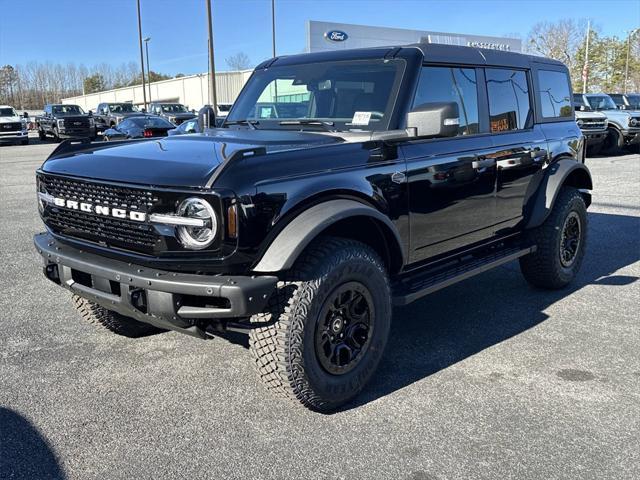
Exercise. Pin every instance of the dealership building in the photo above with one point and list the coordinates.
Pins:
(321, 36)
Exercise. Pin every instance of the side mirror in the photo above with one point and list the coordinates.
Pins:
(583, 108)
(91, 113)
(434, 119)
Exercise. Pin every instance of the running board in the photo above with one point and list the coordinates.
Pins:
(416, 287)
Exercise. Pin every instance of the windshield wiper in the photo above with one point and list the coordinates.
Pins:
(250, 123)
(328, 126)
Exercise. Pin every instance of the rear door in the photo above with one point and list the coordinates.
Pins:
(450, 183)
(519, 148)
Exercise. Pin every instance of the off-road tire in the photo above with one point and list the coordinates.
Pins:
(112, 321)
(544, 268)
(613, 143)
(285, 352)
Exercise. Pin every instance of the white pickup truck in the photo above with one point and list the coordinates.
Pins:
(13, 128)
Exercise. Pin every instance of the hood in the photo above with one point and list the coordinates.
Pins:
(176, 161)
(180, 115)
(591, 114)
(13, 119)
(127, 114)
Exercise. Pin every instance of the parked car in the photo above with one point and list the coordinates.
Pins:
(141, 126)
(176, 113)
(594, 128)
(108, 115)
(13, 128)
(190, 126)
(626, 101)
(65, 121)
(623, 127)
(412, 169)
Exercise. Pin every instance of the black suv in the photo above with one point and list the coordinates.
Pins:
(341, 184)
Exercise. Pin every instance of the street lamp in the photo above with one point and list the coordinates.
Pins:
(146, 46)
(626, 67)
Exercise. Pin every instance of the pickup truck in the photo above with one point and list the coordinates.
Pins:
(108, 115)
(13, 128)
(65, 121)
(176, 113)
(372, 178)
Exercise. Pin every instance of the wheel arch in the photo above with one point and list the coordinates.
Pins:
(345, 218)
(563, 172)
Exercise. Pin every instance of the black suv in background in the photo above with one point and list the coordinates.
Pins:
(65, 121)
(176, 113)
(108, 115)
(410, 168)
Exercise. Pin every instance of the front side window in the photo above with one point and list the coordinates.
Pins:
(509, 105)
(555, 96)
(349, 95)
(457, 85)
(123, 108)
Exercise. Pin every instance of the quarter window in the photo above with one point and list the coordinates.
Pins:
(443, 84)
(509, 105)
(555, 96)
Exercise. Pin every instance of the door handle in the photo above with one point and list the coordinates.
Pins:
(483, 162)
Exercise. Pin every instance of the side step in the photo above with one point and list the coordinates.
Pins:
(417, 286)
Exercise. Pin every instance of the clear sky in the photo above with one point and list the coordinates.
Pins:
(92, 32)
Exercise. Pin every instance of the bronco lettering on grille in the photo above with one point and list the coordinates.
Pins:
(100, 209)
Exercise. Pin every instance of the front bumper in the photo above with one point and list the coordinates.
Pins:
(594, 137)
(77, 132)
(13, 136)
(176, 301)
(631, 136)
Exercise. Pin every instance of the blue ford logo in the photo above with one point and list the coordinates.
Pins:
(336, 36)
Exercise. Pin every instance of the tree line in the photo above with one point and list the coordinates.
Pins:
(34, 84)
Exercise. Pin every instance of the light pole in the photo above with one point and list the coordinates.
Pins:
(146, 47)
(212, 66)
(144, 91)
(626, 66)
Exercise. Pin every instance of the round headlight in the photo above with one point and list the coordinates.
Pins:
(197, 237)
(580, 123)
(633, 122)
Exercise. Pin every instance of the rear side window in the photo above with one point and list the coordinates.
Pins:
(555, 96)
(509, 105)
(443, 84)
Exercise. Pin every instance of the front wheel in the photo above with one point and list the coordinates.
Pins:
(325, 345)
(560, 242)
(613, 143)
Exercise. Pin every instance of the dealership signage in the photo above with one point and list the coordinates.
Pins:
(336, 36)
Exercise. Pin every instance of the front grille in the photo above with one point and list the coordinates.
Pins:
(76, 123)
(593, 124)
(122, 233)
(10, 127)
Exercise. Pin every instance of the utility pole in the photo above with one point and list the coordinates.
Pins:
(273, 27)
(626, 66)
(144, 90)
(212, 68)
(146, 47)
(585, 70)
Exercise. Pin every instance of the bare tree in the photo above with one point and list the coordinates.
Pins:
(238, 61)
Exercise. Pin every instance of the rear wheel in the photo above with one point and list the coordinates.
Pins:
(560, 241)
(97, 315)
(326, 343)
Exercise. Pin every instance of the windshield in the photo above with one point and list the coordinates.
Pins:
(601, 102)
(634, 101)
(122, 108)
(152, 122)
(7, 112)
(351, 95)
(173, 108)
(66, 110)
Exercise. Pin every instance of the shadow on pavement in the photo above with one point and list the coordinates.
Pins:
(24, 452)
(460, 321)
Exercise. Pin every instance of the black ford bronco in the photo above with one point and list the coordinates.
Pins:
(340, 184)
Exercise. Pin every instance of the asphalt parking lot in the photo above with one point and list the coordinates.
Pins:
(486, 379)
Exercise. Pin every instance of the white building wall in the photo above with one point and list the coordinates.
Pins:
(191, 91)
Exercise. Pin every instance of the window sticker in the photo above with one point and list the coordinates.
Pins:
(361, 118)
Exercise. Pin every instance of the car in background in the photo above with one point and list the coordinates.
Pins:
(176, 113)
(108, 115)
(63, 120)
(623, 127)
(626, 101)
(593, 126)
(141, 126)
(13, 128)
(223, 110)
(190, 126)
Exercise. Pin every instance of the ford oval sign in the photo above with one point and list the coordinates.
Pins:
(336, 36)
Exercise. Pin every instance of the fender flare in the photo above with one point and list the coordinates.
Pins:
(294, 238)
(555, 177)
